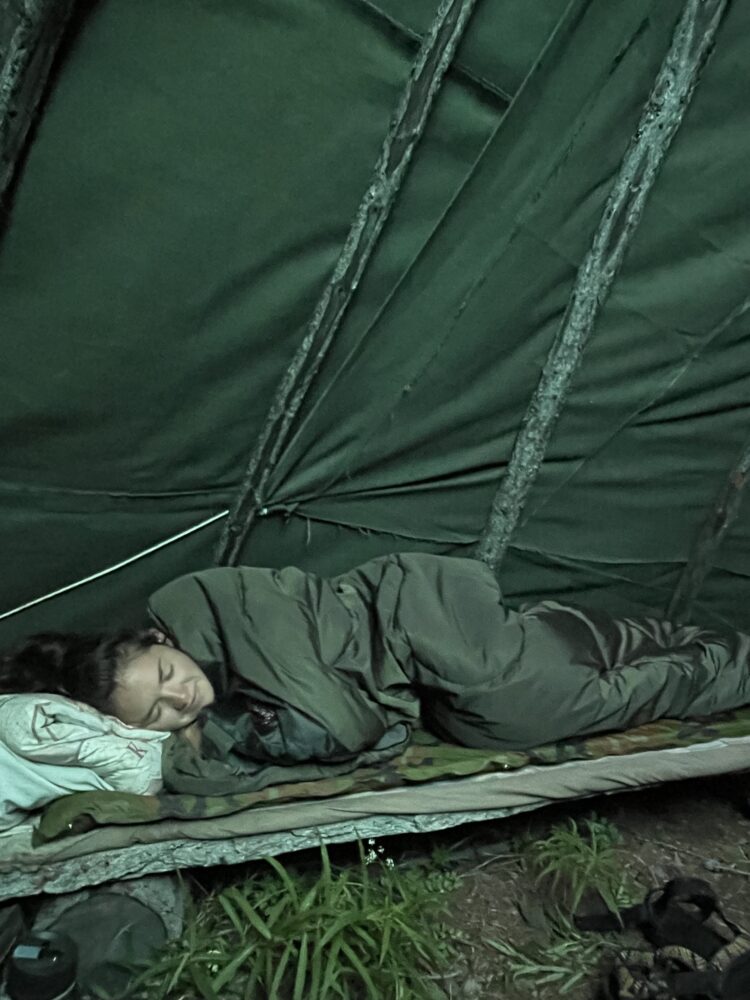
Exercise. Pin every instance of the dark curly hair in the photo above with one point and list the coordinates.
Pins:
(82, 667)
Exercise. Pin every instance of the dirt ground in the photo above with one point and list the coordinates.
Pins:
(698, 828)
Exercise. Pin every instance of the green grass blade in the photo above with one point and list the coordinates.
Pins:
(331, 971)
(251, 985)
(368, 939)
(249, 911)
(337, 926)
(175, 977)
(325, 865)
(281, 969)
(231, 913)
(385, 942)
(278, 910)
(283, 874)
(229, 971)
(300, 974)
(361, 971)
(202, 983)
(309, 898)
(316, 971)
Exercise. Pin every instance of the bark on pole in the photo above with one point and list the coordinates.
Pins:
(30, 34)
(405, 131)
(662, 115)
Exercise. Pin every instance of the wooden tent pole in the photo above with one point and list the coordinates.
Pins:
(661, 117)
(405, 131)
(30, 35)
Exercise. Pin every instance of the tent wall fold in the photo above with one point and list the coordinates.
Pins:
(721, 516)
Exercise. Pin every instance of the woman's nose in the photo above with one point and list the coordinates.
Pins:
(177, 696)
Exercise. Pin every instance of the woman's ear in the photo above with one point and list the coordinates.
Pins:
(159, 637)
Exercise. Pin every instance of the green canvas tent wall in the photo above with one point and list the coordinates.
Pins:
(194, 172)
(190, 183)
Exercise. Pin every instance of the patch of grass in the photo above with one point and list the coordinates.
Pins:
(566, 960)
(367, 931)
(577, 858)
(573, 860)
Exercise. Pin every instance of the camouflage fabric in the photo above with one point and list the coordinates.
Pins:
(425, 759)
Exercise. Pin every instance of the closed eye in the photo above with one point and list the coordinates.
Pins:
(165, 673)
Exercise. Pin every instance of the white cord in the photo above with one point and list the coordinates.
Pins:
(116, 566)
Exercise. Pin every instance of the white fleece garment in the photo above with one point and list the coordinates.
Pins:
(51, 745)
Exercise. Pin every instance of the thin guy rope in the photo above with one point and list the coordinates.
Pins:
(119, 565)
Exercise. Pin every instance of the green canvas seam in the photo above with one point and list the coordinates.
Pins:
(460, 69)
(719, 519)
(737, 312)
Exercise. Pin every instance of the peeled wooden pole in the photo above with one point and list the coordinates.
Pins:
(661, 117)
(404, 133)
(30, 35)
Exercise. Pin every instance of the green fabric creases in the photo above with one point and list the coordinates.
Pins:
(404, 133)
(182, 205)
(721, 516)
(662, 116)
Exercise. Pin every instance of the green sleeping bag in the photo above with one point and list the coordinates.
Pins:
(339, 662)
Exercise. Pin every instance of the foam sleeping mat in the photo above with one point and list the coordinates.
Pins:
(92, 837)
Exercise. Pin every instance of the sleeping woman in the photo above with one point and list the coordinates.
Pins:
(283, 666)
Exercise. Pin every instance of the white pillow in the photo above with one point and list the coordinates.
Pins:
(51, 745)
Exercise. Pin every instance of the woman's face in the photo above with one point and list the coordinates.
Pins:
(161, 688)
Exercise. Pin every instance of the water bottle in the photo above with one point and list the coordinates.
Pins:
(42, 966)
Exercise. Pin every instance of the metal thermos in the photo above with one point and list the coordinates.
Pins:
(42, 966)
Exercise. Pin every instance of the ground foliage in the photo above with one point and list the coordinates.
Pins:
(522, 941)
(369, 929)
(478, 911)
